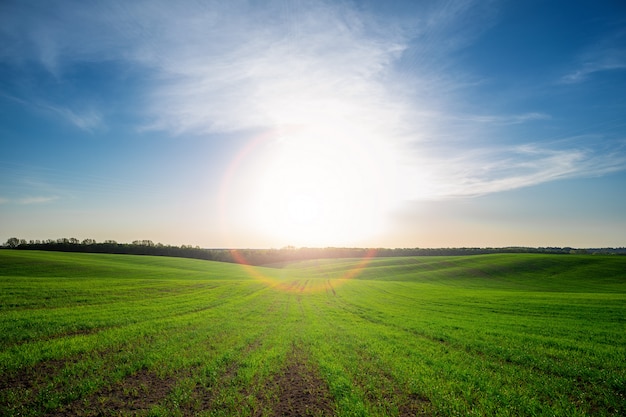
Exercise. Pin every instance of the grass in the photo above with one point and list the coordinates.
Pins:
(496, 335)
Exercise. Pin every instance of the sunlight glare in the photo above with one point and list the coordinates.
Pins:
(322, 182)
(326, 175)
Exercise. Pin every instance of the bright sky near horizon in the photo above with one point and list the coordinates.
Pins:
(314, 123)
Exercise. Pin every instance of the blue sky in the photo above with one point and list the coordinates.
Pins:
(314, 123)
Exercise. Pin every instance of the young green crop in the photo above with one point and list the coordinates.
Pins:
(505, 335)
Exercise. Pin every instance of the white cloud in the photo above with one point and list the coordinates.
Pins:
(248, 74)
(88, 120)
(28, 200)
(220, 67)
(36, 200)
(491, 170)
(606, 55)
(502, 120)
(608, 63)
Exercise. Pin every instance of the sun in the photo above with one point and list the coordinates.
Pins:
(319, 188)
(302, 209)
(324, 181)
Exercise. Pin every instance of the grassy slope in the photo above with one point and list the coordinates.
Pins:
(483, 335)
(569, 273)
(494, 335)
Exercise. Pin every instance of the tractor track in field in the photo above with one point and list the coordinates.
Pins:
(96, 330)
(409, 404)
(61, 335)
(204, 396)
(299, 389)
(329, 287)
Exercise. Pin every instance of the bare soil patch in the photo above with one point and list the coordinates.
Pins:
(415, 405)
(19, 389)
(134, 395)
(300, 389)
(33, 376)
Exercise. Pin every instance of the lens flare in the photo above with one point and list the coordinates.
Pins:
(304, 212)
(300, 285)
(309, 188)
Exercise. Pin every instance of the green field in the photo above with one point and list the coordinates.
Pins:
(505, 335)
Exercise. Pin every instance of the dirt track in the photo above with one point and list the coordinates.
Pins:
(301, 390)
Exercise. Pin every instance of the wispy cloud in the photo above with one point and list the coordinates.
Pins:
(257, 75)
(503, 120)
(489, 170)
(88, 120)
(36, 200)
(27, 201)
(607, 55)
(222, 67)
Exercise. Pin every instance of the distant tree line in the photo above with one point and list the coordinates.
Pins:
(273, 256)
(137, 247)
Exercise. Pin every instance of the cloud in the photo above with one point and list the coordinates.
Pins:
(260, 75)
(502, 120)
(36, 200)
(88, 120)
(217, 67)
(612, 61)
(490, 170)
(606, 55)
(26, 201)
